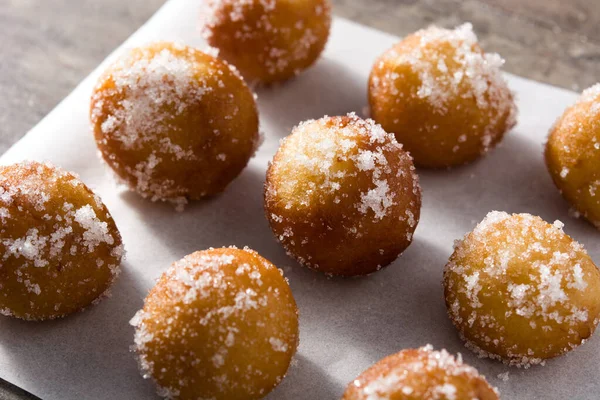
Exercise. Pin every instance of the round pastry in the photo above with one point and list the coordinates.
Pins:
(420, 374)
(573, 154)
(443, 97)
(267, 40)
(220, 324)
(342, 196)
(173, 122)
(520, 290)
(60, 247)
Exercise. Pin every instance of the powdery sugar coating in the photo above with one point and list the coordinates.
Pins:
(60, 249)
(173, 122)
(592, 95)
(342, 196)
(280, 38)
(422, 374)
(442, 96)
(520, 290)
(573, 155)
(219, 324)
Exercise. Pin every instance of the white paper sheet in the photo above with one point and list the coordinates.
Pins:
(346, 324)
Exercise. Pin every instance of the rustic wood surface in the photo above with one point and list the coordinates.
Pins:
(47, 47)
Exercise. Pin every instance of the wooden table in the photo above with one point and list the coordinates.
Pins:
(49, 46)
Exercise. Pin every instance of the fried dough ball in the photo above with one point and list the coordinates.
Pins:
(220, 324)
(573, 155)
(342, 196)
(267, 40)
(173, 122)
(60, 248)
(520, 290)
(420, 374)
(443, 97)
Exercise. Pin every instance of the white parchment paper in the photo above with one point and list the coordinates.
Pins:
(346, 324)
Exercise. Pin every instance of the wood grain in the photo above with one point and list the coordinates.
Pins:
(552, 41)
(47, 47)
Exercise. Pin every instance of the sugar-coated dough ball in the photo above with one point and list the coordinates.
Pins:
(173, 122)
(420, 374)
(443, 97)
(60, 248)
(520, 290)
(267, 40)
(342, 196)
(573, 154)
(220, 324)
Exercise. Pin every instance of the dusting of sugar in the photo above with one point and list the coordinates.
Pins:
(379, 389)
(151, 85)
(43, 192)
(408, 366)
(322, 149)
(555, 280)
(565, 132)
(152, 89)
(242, 295)
(346, 161)
(504, 376)
(96, 231)
(591, 95)
(564, 172)
(378, 199)
(255, 20)
(278, 344)
(32, 247)
(474, 75)
(32, 287)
